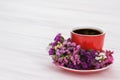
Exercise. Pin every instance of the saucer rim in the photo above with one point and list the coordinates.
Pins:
(83, 71)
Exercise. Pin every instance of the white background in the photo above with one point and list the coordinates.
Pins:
(28, 26)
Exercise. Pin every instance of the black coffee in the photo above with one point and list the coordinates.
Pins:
(87, 31)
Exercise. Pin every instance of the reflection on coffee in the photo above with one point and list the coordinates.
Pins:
(87, 31)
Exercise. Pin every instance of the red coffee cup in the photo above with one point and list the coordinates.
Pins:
(88, 37)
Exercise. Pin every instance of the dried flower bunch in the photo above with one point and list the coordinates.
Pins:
(69, 54)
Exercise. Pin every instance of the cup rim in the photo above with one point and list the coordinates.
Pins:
(90, 27)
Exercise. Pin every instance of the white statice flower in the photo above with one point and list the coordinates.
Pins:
(101, 56)
(97, 58)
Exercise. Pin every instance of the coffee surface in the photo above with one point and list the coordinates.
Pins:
(87, 31)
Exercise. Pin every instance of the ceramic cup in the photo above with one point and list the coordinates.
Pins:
(87, 38)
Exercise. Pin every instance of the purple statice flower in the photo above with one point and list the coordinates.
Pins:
(65, 43)
(93, 53)
(59, 38)
(54, 44)
(78, 62)
(51, 51)
(74, 62)
(75, 52)
(70, 65)
(89, 58)
(68, 44)
(63, 48)
(68, 40)
(102, 64)
(60, 60)
(76, 57)
(78, 67)
(65, 60)
(58, 52)
(78, 47)
(68, 52)
(62, 64)
(84, 65)
(72, 58)
(71, 49)
(73, 44)
(97, 65)
(62, 51)
(82, 52)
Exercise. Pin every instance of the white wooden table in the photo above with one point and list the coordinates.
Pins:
(27, 27)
